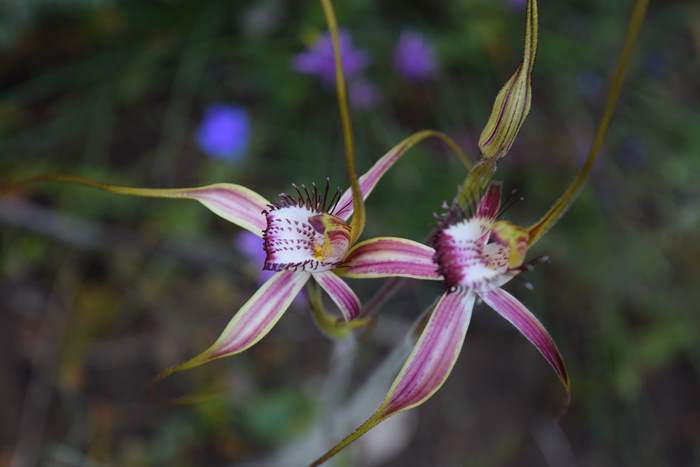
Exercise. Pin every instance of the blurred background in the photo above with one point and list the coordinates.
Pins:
(101, 292)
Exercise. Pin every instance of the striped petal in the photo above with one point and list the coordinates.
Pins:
(390, 257)
(529, 326)
(253, 321)
(341, 293)
(428, 365)
(235, 203)
(370, 179)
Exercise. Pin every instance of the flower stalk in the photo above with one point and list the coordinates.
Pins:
(358, 220)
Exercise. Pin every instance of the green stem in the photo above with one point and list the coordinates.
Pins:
(358, 219)
(567, 198)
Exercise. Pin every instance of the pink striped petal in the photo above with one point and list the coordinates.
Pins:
(253, 321)
(426, 368)
(390, 257)
(370, 179)
(529, 326)
(436, 352)
(235, 203)
(341, 293)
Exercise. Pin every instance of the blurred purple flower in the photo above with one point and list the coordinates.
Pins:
(414, 58)
(517, 4)
(224, 131)
(319, 61)
(363, 94)
(251, 246)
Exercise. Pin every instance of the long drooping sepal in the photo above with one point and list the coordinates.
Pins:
(253, 321)
(567, 198)
(428, 365)
(370, 179)
(341, 294)
(512, 103)
(389, 257)
(529, 326)
(358, 220)
(235, 203)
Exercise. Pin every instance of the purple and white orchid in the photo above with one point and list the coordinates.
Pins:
(306, 235)
(474, 255)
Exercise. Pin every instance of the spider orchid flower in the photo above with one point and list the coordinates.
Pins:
(306, 235)
(475, 255)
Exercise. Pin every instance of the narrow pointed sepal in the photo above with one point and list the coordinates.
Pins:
(426, 368)
(235, 203)
(340, 292)
(513, 101)
(253, 321)
(529, 326)
(370, 178)
(389, 257)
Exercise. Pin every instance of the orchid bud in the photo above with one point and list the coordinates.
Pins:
(512, 103)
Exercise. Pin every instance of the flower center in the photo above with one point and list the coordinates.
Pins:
(302, 234)
(464, 256)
